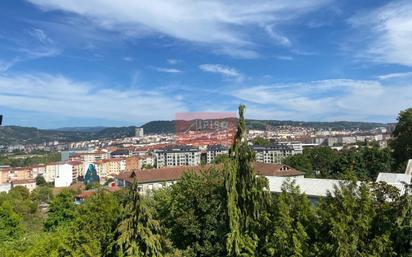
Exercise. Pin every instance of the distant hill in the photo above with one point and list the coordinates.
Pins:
(81, 129)
(170, 126)
(28, 135)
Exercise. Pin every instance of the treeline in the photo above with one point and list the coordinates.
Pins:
(364, 163)
(28, 161)
(191, 218)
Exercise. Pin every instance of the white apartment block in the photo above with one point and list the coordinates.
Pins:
(214, 150)
(274, 153)
(177, 156)
(59, 173)
(64, 175)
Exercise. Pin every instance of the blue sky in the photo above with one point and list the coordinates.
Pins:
(122, 62)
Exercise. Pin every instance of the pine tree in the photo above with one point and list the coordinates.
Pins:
(244, 195)
(139, 233)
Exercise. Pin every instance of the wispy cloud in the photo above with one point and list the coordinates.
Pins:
(55, 94)
(33, 44)
(224, 22)
(387, 32)
(329, 99)
(226, 71)
(167, 70)
(277, 37)
(395, 75)
(173, 61)
(5, 65)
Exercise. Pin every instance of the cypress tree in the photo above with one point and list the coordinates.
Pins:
(139, 232)
(244, 195)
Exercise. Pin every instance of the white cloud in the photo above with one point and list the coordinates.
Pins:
(388, 33)
(279, 39)
(33, 44)
(329, 100)
(216, 22)
(167, 70)
(40, 35)
(226, 71)
(55, 94)
(5, 65)
(395, 75)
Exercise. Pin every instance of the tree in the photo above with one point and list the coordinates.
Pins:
(402, 144)
(42, 194)
(61, 211)
(351, 224)
(139, 233)
(244, 195)
(193, 211)
(40, 181)
(10, 223)
(293, 224)
(221, 158)
(300, 162)
(93, 231)
(261, 141)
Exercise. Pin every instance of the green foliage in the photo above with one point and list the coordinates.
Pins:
(42, 194)
(28, 161)
(40, 181)
(61, 211)
(293, 224)
(261, 141)
(402, 144)
(244, 195)
(10, 223)
(221, 158)
(193, 213)
(139, 233)
(365, 162)
(147, 167)
(93, 232)
(300, 162)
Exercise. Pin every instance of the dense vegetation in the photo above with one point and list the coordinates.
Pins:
(216, 213)
(323, 162)
(22, 161)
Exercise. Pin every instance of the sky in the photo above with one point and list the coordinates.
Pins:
(71, 63)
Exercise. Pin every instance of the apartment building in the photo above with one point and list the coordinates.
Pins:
(274, 153)
(133, 163)
(38, 170)
(177, 156)
(214, 150)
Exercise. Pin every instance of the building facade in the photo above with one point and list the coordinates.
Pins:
(274, 153)
(173, 156)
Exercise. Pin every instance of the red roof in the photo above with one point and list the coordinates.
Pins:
(174, 173)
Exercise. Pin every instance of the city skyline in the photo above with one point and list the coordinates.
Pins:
(73, 63)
